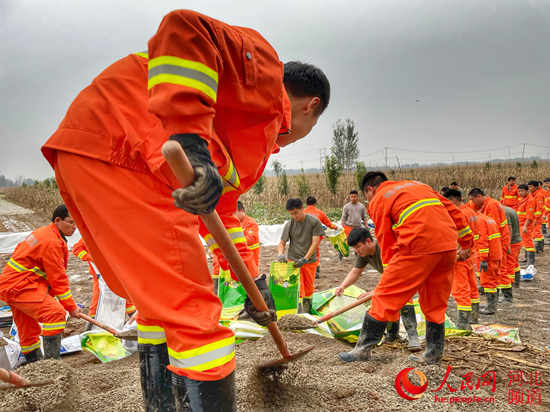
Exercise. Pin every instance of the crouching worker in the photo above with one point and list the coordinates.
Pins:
(32, 279)
(368, 251)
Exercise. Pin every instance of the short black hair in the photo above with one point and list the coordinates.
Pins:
(305, 80)
(444, 189)
(547, 179)
(511, 178)
(373, 179)
(454, 184)
(240, 206)
(453, 194)
(292, 204)
(354, 192)
(61, 212)
(523, 186)
(310, 201)
(358, 234)
(533, 183)
(540, 183)
(476, 191)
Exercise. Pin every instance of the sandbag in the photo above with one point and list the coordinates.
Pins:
(339, 240)
(284, 284)
(232, 295)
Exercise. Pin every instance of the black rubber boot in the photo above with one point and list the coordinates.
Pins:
(205, 396)
(52, 346)
(156, 382)
(491, 307)
(317, 273)
(464, 320)
(524, 260)
(409, 321)
(392, 332)
(474, 315)
(435, 343)
(537, 246)
(517, 278)
(370, 335)
(530, 258)
(306, 305)
(34, 356)
(507, 296)
(481, 290)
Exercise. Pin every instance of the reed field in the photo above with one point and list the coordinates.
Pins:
(40, 199)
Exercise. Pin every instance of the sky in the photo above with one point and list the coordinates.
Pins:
(433, 80)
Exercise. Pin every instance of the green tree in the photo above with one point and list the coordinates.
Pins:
(534, 165)
(259, 187)
(282, 179)
(303, 185)
(488, 166)
(518, 165)
(333, 171)
(360, 171)
(345, 143)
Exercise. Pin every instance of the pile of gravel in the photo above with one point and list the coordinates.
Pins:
(290, 322)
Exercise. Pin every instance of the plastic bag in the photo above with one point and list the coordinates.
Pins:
(110, 307)
(129, 345)
(339, 240)
(70, 344)
(284, 284)
(527, 274)
(10, 354)
(232, 295)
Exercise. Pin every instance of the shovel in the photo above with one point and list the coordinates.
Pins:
(331, 315)
(99, 324)
(182, 169)
(18, 381)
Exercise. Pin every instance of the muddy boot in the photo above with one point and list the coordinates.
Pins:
(507, 296)
(392, 332)
(517, 278)
(435, 343)
(317, 273)
(156, 382)
(474, 314)
(409, 321)
(205, 396)
(52, 346)
(370, 335)
(464, 320)
(306, 305)
(537, 246)
(524, 260)
(530, 258)
(34, 356)
(491, 307)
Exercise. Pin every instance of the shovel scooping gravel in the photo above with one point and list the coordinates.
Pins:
(15, 381)
(182, 169)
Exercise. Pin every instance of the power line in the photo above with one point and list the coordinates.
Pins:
(455, 152)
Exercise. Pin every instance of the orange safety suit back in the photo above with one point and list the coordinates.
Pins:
(37, 268)
(547, 205)
(510, 196)
(319, 214)
(251, 232)
(538, 195)
(526, 210)
(490, 240)
(494, 210)
(472, 217)
(411, 218)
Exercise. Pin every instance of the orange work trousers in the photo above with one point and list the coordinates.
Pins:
(537, 232)
(429, 275)
(528, 239)
(503, 275)
(95, 298)
(26, 316)
(307, 279)
(489, 279)
(148, 251)
(465, 285)
(512, 262)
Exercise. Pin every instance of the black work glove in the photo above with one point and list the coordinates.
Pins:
(203, 195)
(300, 262)
(282, 259)
(484, 266)
(262, 318)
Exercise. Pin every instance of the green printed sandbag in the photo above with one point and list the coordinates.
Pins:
(284, 284)
(104, 346)
(232, 295)
(339, 240)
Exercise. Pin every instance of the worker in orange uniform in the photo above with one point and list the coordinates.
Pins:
(222, 93)
(32, 280)
(408, 217)
(464, 289)
(311, 209)
(81, 252)
(490, 254)
(547, 209)
(526, 215)
(510, 195)
(538, 195)
(511, 272)
(304, 233)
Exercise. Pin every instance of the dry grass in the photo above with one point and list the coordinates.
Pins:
(35, 198)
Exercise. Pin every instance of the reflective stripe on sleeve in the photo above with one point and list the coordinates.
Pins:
(494, 236)
(20, 268)
(130, 309)
(483, 250)
(476, 237)
(413, 208)
(152, 335)
(504, 223)
(464, 232)
(254, 246)
(65, 295)
(143, 54)
(205, 357)
(81, 254)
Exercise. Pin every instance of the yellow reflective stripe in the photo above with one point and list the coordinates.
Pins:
(474, 300)
(511, 197)
(174, 70)
(232, 177)
(464, 232)
(205, 357)
(483, 250)
(384, 265)
(130, 309)
(143, 54)
(476, 237)
(65, 295)
(152, 335)
(521, 213)
(494, 236)
(465, 308)
(490, 290)
(20, 268)
(530, 249)
(254, 246)
(83, 253)
(53, 326)
(227, 187)
(413, 208)
(210, 242)
(508, 286)
(537, 213)
(504, 223)
(237, 235)
(27, 349)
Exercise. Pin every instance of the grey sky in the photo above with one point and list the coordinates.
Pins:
(479, 68)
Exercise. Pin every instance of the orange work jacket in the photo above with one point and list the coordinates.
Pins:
(201, 76)
(319, 214)
(547, 205)
(81, 251)
(251, 232)
(493, 209)
(526, 210)
(37, 267)
(489, 244)
(411, 218)
(471, 215)
(538, 195)
(510, 196)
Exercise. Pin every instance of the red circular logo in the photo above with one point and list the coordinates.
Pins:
(403, 384)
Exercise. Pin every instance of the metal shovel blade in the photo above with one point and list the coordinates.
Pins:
(283, 361)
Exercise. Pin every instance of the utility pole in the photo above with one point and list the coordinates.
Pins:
(398, 163)
(302, 165)
(322, 155)
(523, 153)
(509, 155)
(386, 158)
(453, 160)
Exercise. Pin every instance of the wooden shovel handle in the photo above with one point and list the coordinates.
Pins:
(345, 308)
(182, 169)
(99, 324)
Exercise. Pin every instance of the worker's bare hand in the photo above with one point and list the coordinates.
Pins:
(17, 380)
(363, 295)
(339, 290)
(525, 229)
(463, 254)
(75, 313)
(509, 250)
